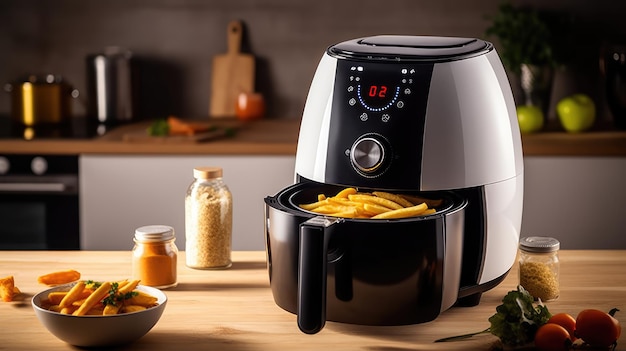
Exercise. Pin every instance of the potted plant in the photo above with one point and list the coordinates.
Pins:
(529, 45)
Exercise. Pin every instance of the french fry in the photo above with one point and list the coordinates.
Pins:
(376, 209)
(59, 278)
(55, 308)
(350, 203)
(72, 295)
(55, 297)
(133, 308)
(403, 212)
(311, 206)
(395, 198)
(346, 192)
(130, 286)
(68, 310)
(97, 310)
(418, 200)
(328, 209)
(375, 200)
(93, 299)
(90, 300)
(142, 299)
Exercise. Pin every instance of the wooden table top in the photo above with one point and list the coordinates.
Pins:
(279, 136)
(234, 310)
(263, 137)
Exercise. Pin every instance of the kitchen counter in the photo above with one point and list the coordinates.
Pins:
(233, 309)
(263, 137)
(280, 136)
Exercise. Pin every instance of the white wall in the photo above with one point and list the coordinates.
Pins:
(579, 200)
(121, 193)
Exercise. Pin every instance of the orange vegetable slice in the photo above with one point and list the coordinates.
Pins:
(8, 290)
(60, 277)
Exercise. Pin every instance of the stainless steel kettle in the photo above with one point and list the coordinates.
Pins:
(109, 85)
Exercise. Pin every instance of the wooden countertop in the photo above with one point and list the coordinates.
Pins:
(234, 310)
(263, 137)
(280, 137)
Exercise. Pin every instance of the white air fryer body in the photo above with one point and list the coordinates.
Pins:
(470, 136)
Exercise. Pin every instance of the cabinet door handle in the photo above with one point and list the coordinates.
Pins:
(33, 187)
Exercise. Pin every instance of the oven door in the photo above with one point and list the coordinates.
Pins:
(40, 212)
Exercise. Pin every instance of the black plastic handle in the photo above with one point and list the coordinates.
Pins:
(312, 274)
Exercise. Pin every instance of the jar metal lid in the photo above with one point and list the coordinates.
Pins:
(207, 172)
(539, 244)
(154, 233)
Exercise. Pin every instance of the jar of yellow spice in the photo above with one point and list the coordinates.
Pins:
(155, 256)
(539, 267)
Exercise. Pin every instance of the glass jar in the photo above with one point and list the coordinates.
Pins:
(208, 220)
(155, 256)
(539, 267)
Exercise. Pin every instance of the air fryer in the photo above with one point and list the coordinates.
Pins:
(424, 116)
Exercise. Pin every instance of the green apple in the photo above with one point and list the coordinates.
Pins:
(576, 112)
(530, 118)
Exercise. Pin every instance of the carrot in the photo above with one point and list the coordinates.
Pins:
(180, 127)
(60, 277)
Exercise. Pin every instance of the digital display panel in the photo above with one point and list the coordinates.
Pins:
(377, 95)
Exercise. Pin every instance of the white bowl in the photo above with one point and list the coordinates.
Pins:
(90, 331)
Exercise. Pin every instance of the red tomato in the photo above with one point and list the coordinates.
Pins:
(552, 337)
(250, 106)
(597, 328)
(566, 321)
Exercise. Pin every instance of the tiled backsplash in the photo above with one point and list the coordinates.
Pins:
(174, 41)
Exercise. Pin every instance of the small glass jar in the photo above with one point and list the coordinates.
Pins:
(208, 220)
(539, 267)
(155, 256)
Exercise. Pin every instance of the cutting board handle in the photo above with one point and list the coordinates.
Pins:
(234, 35)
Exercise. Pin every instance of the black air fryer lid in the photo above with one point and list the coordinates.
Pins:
(414, 48)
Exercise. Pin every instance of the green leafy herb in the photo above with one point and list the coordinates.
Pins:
(528, 36)
(93, 284)
(116, 297)
(159, 127)
(516, 320)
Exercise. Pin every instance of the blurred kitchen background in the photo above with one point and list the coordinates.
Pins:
(577, 199)
(173, 41)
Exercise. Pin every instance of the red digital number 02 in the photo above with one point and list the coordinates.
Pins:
(376, 91)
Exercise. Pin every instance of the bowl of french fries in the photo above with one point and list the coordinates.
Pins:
(95, 314)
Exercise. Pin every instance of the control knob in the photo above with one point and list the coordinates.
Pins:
(367, 155)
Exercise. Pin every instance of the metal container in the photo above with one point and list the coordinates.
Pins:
(109, 85)
(41, 99)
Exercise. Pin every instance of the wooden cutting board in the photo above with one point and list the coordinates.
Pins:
(231, 73)
(137, 133)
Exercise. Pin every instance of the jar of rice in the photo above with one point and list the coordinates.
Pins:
(539, 267)
(208, 220)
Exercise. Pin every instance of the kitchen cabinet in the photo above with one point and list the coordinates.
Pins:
(578, 200)
(122, 192)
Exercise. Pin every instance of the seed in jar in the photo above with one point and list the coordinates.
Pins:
(208, 220)
(539, 280)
